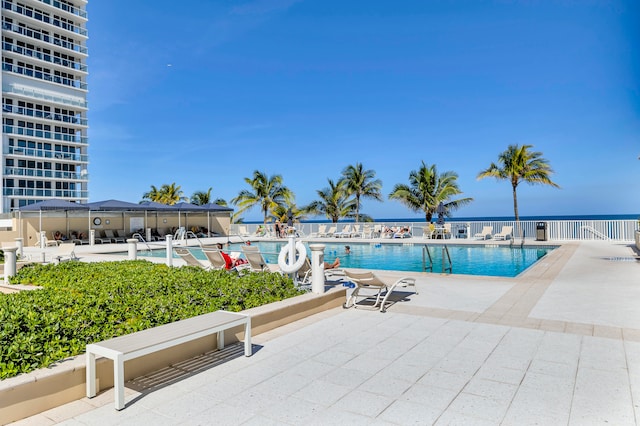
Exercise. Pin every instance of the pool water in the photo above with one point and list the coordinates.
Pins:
(501, 261)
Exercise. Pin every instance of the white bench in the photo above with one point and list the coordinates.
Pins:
(130, 346)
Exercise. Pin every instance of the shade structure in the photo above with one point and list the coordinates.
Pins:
(115, 205)
(53, 204)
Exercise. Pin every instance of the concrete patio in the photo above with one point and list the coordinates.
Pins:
(559, 345)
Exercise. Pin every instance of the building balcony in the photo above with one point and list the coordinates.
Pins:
(66, 8)
(41, 192)
(45, 134)
(47, 115)
(21, 152)
(47, 97)
(41, 17)
(76, 84)
(38, 35)
(39, 173)
(54, 60)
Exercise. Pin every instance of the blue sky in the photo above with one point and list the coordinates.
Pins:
(204, 95)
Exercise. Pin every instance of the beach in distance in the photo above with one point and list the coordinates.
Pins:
(492, 218)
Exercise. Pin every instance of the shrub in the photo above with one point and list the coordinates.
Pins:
(81, 303)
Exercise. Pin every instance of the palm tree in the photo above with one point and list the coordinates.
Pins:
(519, 164)
(201, 198)
(153, 195)
(167, 194)
(427, 189)
(334, 202)
(268, 193)
(362, 184)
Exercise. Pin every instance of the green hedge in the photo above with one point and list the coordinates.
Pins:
(88, 302)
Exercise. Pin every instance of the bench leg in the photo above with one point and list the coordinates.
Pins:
(247, 337)
(220, 340)
(91, 374)
(118, 381)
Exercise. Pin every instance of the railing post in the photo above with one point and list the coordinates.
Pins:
(9, 262)
(169, 250)
(133, 248)
(317, 268)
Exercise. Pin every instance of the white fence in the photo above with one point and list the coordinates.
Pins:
(551, 230)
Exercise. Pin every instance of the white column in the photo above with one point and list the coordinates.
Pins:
(92, 237)
(148, 235)
(133, 248)
(317, 268)
(20, 245)
(43, 237)
(169, 250)
(9, 262)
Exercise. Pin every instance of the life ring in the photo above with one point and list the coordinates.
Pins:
(284, 254)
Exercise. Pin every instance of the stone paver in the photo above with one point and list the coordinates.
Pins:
(441, 358)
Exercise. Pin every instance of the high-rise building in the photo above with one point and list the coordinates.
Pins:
(44, 101)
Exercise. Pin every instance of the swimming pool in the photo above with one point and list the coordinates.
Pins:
(491, 260)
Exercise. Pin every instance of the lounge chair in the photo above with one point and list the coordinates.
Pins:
(355, 232)
(190, 259)
(322, 229)
(257, 262)
(65, 251)
(304, 273)
(329, 233)
(505, 234)
(376, 287)
(242, 231)
(367, 231)
(346, 232)
(377, 231)
(485, 234)
(219, 263)
(429, 231)
(81, 238)
(101, 239)
(108, 233)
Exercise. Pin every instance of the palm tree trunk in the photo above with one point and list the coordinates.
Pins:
(515, 211)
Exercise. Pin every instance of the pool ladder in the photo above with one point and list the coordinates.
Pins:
(446, 260)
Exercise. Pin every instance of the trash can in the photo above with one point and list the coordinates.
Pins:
(541, 231)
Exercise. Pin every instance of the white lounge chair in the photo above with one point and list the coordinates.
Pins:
(190, 259)
(218, 261)
(346, 232)
(429, 231)
(330, 232)
(242, 231)
(485, 234)
(505, 234)
(378, 289)
(65, 251)
(257, 263)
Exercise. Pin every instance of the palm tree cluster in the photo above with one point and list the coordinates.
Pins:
(342, 198)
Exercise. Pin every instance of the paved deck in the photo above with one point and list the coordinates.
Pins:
(559, 345)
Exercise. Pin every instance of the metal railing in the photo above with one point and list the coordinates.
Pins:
(30, 93)
(556, 230)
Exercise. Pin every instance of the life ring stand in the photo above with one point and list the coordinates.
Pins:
(284, 254)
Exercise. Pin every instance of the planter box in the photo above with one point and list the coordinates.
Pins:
(41, 390)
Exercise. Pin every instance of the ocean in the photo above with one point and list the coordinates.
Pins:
(491, 218)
